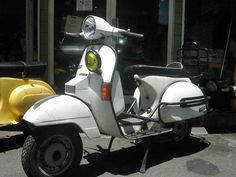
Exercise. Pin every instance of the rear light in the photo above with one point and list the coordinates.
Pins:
(105, 91)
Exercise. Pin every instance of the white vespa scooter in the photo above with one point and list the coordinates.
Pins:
(94, 104)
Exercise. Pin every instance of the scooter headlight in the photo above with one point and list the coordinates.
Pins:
(89, 27)
(92, 61)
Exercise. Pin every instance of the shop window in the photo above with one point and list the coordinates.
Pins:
(12, 31)
(68, 50)
(150, 19)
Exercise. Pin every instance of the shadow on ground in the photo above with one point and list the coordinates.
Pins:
(128, 160)
(11, 142)
(122, 161)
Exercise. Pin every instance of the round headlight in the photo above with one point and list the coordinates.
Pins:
(92, 61)
(89, 27)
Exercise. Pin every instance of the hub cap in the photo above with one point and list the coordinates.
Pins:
(55, 155)
(180, 129)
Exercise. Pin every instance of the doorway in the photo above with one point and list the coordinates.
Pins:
(150, 19)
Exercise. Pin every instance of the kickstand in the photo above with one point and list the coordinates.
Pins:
(144, 162)
(110, 143)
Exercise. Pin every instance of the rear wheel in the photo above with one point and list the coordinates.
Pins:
(55, 152)
(181, 131)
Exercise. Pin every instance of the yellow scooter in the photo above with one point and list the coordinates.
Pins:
(20, 88)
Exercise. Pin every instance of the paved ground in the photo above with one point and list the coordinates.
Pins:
(204, 155)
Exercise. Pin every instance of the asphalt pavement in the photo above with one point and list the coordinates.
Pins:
(203, 155)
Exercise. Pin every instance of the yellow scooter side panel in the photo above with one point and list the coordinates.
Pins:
(18, 95)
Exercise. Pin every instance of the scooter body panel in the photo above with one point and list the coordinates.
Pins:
(18, 94)
(166, 91)
(62, 109)
(87, 86)
(150, 91)
(176, 93)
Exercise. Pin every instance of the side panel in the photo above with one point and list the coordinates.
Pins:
(63, 109)
(24, 96)
(17, 95)
(149, 93)
(176, 92)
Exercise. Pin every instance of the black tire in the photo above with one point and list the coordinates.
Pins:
(181, 131)
(56, 152)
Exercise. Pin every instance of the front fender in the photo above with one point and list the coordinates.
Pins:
(60, 110)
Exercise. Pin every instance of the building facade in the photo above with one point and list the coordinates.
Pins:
(166, 24)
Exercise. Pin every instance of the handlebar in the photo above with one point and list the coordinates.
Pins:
(128, 33)
(74, 34)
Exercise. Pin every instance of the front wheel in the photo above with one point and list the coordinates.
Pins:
(53, 153)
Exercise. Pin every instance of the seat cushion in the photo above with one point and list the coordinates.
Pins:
(145, 70)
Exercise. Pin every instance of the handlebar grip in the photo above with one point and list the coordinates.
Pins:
(128, 33)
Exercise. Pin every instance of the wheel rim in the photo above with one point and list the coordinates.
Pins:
(180, 130)
(55, 155)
